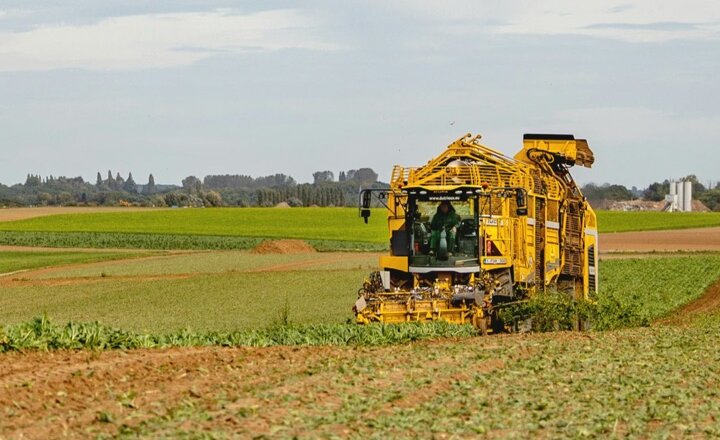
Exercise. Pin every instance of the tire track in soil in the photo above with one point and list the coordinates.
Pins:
(114, 262)
(313, 262)
(708, 303)
(29, 280)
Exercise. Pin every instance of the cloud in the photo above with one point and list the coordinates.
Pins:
(661, 26)
(157, 40)
(640, 124)
(647, 21)
(638, 145)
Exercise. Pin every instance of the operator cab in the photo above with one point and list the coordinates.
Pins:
(460, 249)
(442, 248)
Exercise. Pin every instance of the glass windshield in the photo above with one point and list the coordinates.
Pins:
(443, 227)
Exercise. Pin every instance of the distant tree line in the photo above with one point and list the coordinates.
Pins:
(213, 190)
(656, 192)
(245, 190)
(242, 190)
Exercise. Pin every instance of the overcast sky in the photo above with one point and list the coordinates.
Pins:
(213, 87)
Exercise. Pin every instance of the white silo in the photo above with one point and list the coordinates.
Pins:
(687, 196)
(673, 197)
(679, 194)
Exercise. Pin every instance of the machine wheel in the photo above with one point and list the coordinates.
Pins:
(481, 323)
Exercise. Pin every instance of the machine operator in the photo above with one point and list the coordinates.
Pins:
(445, 219)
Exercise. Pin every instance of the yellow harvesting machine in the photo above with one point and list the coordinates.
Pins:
(521, 225)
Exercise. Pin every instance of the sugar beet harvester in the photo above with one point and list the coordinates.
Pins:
(521, 226)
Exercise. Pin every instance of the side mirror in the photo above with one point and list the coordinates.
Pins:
(365, 201)
(365, 214)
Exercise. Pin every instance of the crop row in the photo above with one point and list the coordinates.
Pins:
(111, 240)
(302, 223)
(42, 334)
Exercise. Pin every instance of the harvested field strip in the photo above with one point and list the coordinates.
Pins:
(684, 240)
(14, 261)
(12, 214)
(21, 281)
(45, 277)
(199, 263)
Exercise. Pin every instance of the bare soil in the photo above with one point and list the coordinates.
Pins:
(283, 247)
(83, 394)
(11, 214)
(679, 240)
(241, 390)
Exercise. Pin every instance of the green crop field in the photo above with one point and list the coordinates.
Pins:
(328, 229)
(649, 382)
(203, 291)
(225, 291)
(617, 221)
(636, 291)
(301, 223)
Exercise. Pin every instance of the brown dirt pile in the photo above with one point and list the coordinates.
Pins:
(283, 247)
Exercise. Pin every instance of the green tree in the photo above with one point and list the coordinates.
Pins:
(363, 176)
(657, 191)
(150, 187)
(192, 185)
(697, 187)
(323, 177)
(129, 185)
(711, 199)
(111, 182)
(32, 180)
(212, 198)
